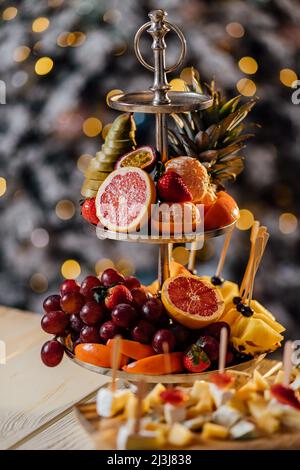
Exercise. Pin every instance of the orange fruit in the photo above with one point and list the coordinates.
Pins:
(123, 201)
(97, 354)
(156, 365)
(169, 218)
(175, 270)
(193, 173)
(223, 212)
(192, 301)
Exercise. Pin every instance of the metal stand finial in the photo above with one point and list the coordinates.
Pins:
(158, 27)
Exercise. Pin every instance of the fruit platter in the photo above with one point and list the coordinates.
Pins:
(169, 331)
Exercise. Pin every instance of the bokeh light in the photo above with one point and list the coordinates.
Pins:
(83, 162)
(39, 237)
(288, 223)
(9, 13)
(92, 127)
(65, 209)
(246, 87)
(112, 16)
(235, 30)
(120, 49)
(248, 65)
(246, 220)
(40, 24)
(125, 266)
(21, 53)
(102, 264)
(3, 186)
(287, 77)
(38, 283)
(186, 74)
(181, 255)
(43, 65)
(70, 269)
(112, 93)
(19, 78)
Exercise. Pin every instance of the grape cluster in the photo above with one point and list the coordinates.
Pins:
(101, 308)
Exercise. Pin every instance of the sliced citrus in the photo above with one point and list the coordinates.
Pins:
(142, 157)
(193, 173)
(124, 199)
(191, 301)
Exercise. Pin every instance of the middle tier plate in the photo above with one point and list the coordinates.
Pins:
(103, 233)
(142, 102)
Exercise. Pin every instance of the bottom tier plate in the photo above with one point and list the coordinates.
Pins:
(245, 366)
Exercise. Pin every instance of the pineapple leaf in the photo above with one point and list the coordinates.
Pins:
(202, 140)
(229, 107)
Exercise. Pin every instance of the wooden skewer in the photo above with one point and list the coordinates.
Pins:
(254, 267)
(223, 349)
(287, 362)
(139, 406)
(224, 253)
(253, 235)
(192, 257)
(115, 361)
(167, 359)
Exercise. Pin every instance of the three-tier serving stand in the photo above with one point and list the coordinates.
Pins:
(159, 100)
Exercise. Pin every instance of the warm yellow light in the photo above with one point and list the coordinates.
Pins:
(235, 30)
(177, 84)
(181, 255)
(288, 223)
(38, 283)
(112, 16)
(9, 13)
(40, 24)
(288, 77)
(21, 53)
(246, 220)
(246, 87)
(3, 186)
(125, 266)
(112, 93)
(105, 130)
(102, 264)
(70, 269)
(62, 40)
(43, 65)
(248, 65)
(83, 162)
(65, 209)
(92, 127)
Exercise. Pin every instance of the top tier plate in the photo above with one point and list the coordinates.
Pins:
(142, 102)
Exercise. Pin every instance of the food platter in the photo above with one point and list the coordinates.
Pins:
(168, 378)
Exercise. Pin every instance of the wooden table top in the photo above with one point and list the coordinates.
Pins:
(36, 402)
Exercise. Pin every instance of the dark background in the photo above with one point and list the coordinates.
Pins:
(42, 137)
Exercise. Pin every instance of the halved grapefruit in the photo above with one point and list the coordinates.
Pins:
(191, 301)
(124, 199)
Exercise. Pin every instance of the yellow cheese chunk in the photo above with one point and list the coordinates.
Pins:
(214, 431)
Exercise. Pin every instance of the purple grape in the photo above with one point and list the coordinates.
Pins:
(55, 322)
(52, 353)
(124, 315)
(109, 330)
(90, 334)
(143, 332)
(52, 303)
(162, 337)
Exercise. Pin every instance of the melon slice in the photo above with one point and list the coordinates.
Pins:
(124, 200)
(191, 301)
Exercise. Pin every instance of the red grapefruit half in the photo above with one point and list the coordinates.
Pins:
(123, 201)
(191, 301)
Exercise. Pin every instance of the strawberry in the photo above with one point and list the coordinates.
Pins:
(285, 395)
(222, 380)
(172, 188)
(113, 296)
(88, 211)
(195, 359)
(173, 396)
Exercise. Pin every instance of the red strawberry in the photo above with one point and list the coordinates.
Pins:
(222, 380)
(285, 395)
(195, 359)
(172, 188)
(88, 211)
(116, 295)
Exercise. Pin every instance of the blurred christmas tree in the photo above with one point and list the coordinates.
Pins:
(60, 58)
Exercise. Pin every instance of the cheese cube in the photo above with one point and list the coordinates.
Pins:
(260, 383)
(243, 430)
(268, 423)
(220, 397)
(214, 431)
(197, 423)
(226, 416)
(109, 402)
(153, 397)
(174, 414)
(179, 435)
(145, 440)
